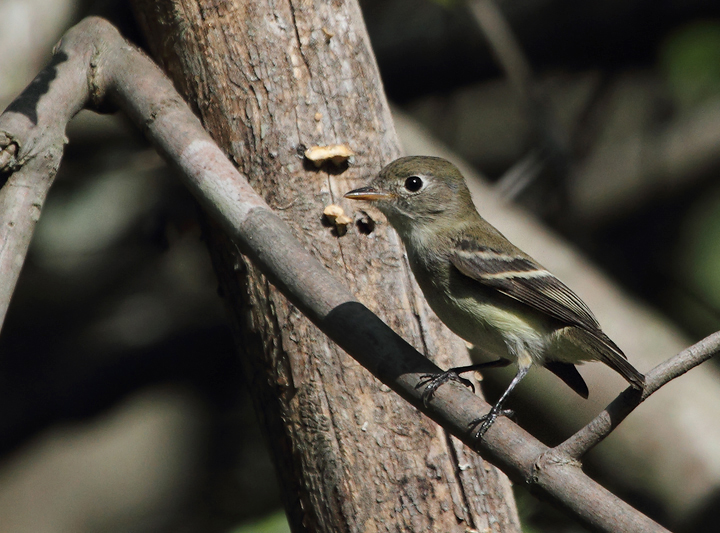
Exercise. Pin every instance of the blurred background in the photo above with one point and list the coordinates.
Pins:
(122, 402)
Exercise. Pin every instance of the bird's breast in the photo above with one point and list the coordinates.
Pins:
(480, 315)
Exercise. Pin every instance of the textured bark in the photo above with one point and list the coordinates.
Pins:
(268, 78)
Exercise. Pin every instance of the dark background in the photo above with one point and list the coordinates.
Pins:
(122, 404)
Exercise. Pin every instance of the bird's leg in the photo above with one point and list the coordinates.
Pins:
(433, 381)
(483, 423)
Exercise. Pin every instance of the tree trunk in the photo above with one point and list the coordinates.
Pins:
(269, 79)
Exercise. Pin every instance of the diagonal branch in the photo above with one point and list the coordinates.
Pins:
(603, 424)
(99, 68)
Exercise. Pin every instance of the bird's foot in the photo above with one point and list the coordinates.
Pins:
(433, 382)
(481, 425)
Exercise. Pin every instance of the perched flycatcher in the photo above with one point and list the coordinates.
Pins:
(484, 288)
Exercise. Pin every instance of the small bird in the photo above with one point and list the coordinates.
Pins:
(484, 288)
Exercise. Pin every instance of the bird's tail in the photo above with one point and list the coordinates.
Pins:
(610, 354)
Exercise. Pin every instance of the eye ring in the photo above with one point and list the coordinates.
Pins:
(414, 183)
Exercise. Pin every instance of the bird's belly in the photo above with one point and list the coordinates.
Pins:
(502, 330)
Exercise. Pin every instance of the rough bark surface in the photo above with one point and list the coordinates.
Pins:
(267, 79)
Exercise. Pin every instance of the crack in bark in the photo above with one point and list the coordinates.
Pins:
(297, 36)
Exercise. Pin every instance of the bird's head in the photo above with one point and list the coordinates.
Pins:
(417, 191)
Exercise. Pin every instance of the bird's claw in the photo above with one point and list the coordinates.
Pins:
(433, 382)
(480, 426)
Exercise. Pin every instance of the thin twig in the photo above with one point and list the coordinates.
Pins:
(505, 46)
(549, 134)
(603, 424)
(518, 177)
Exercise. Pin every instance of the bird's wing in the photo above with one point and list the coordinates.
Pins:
(524, 280)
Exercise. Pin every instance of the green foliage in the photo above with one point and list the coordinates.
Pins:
(704, 247)
(697, 260)
(690, 59)
(273, 523)
(538, 517)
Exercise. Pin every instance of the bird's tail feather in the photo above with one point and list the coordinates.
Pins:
(612, 356)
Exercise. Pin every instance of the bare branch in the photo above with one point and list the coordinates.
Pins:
(548, 131)
(120, 74)
(603, 424)
(32, 137)
(686, 360)
(505, 46)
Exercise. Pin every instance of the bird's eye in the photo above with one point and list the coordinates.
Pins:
(413, 183)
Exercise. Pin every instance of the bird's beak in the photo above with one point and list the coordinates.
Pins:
(369, 194)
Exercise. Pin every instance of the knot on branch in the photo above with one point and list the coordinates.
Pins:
(104, 39)
(9, 149)
(552, 458)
